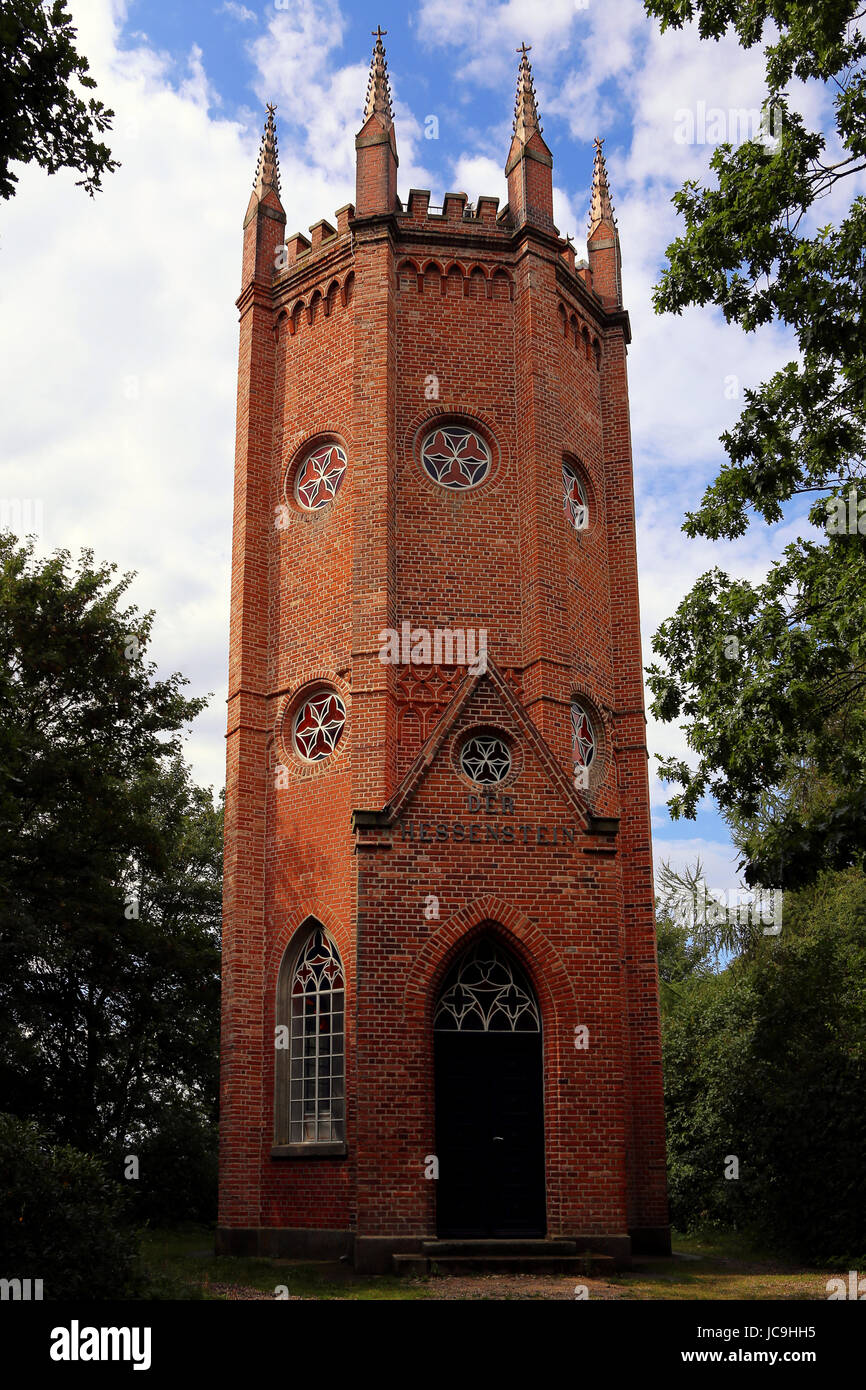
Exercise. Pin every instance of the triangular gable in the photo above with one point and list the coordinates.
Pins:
(410, 783)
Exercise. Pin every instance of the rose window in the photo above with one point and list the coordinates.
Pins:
(319, 724)
(319, 476)
(574, 499)
(582, 737)
(485, 758)
(455, 456)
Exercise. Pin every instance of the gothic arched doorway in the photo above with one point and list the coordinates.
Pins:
(489, 1099)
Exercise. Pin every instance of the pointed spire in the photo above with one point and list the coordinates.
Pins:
(526, 120)
(376, 142)
(600, 207)
(602, 241)
(378, 101)
(268, 167)
(529, 166)
(265, 218)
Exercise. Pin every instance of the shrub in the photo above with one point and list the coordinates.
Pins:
(62, 1220)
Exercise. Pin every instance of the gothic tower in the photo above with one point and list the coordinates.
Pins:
(440, 995)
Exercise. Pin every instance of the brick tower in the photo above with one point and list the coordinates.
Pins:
(440, 995)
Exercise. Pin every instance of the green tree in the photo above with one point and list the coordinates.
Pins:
(766, 1063)
(109, 865)
(770, 678)
(43, 118)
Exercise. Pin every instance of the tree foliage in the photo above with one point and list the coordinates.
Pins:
(44, 119)
(789, 691)
(765, 1062)
(109, 865)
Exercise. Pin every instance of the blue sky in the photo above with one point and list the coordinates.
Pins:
(120, 373)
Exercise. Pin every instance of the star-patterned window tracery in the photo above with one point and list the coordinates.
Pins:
(486, 993)
(455, 456)
(316, 1088)
(319, 724)
(575, 501)
(582, 737)
(319, 476)
(485, 758)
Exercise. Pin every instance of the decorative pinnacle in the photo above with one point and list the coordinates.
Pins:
(268, 167)
(526, 120)
(378, 101)
(600, 207)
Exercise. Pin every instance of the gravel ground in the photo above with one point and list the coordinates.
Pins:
(467, 1287)
(500, 1286)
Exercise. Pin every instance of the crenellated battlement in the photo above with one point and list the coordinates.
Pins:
(455, 210)
(446, 251)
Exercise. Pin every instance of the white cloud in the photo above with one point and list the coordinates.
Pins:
(120, 375)
(238, 12)
(487, 33)
(718, 859)
(570, 219)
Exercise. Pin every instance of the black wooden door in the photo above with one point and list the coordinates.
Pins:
(489, 1134)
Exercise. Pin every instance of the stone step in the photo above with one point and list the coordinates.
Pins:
(516, 1246)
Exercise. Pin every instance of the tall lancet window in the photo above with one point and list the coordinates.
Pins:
(310, 1107)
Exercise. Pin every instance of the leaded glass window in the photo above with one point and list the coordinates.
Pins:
(317, 1085)
(319, 476)
(574, 498)
(486, 992)
(319, 725)
(582, 737)
(485, 758)
(455, 456)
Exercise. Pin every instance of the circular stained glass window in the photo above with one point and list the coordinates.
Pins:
(318, 478)
(485, 758)
(582, 737)
(319, 725)
(455, 456)
(574, 498)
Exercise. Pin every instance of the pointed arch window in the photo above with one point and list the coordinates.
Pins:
(310, 1077)
(486, 992)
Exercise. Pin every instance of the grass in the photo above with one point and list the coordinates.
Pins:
(185, 1262)
(721, 1265)
(182, 1264)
